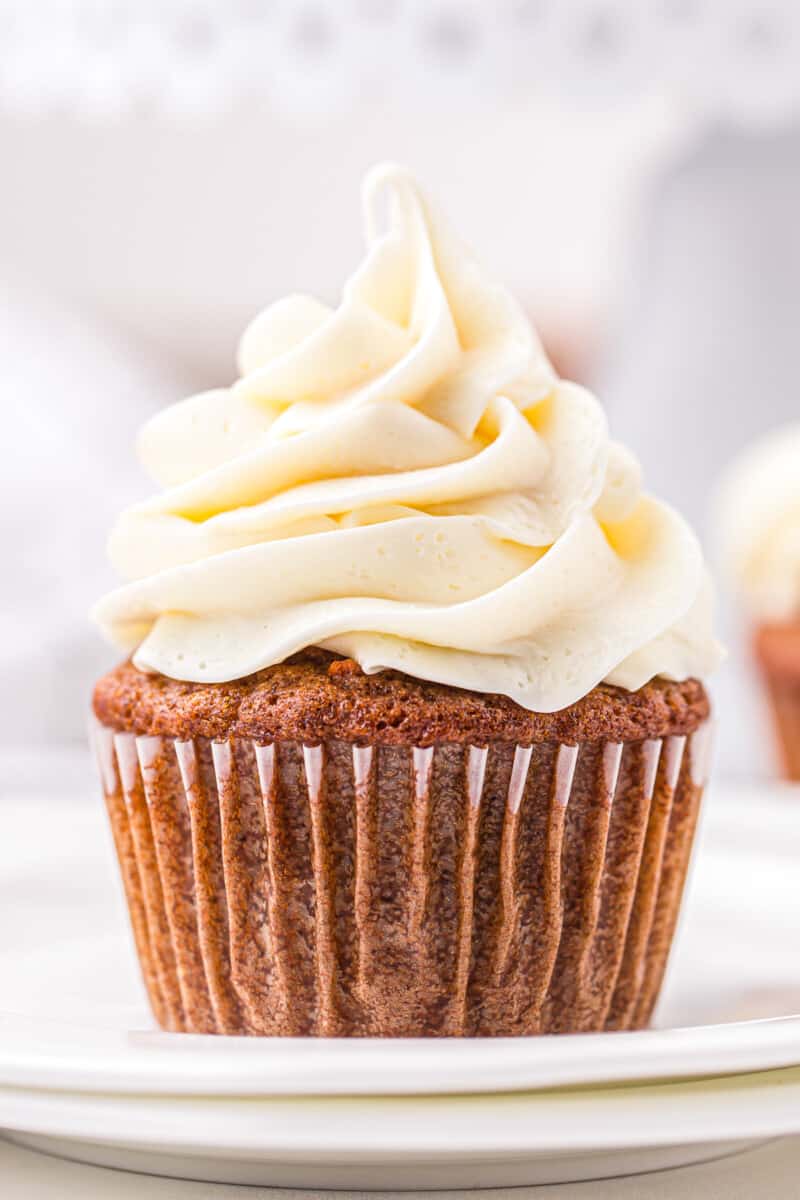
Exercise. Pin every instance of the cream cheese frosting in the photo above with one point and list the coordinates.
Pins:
(404, 479)
(758, 520)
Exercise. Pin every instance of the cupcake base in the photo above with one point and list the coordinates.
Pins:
(278, 887)
(777, 650)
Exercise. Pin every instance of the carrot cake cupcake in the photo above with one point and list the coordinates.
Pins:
(414, 733)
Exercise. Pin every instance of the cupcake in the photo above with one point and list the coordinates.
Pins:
(413, 735)
(758, 518)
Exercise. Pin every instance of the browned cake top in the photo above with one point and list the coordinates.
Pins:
(316, 696)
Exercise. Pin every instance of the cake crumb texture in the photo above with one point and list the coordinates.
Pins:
(316, 696)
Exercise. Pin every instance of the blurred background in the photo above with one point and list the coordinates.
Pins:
(630, 170)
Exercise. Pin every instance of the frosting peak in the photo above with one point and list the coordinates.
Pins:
(405, 480)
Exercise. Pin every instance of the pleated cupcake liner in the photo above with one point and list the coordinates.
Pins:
(342, 890)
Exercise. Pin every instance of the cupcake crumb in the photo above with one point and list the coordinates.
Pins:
(344, 666)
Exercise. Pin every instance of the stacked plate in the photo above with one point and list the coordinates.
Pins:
(84, 1074)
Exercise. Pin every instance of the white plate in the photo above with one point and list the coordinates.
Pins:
(403, 1142)
(36, 1054)
(82, 1068)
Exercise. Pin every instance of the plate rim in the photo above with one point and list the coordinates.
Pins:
(581, 1120)
(194, 1065)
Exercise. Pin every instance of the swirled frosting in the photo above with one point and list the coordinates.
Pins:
(404, 479)
(758, 520)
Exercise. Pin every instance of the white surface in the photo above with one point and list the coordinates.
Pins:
(431, 1142)
(767, 1171)
(65, 958)
(37, 1053)
(417, 1142)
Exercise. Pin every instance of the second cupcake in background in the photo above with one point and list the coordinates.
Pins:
(758, 521)
(414, 734)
